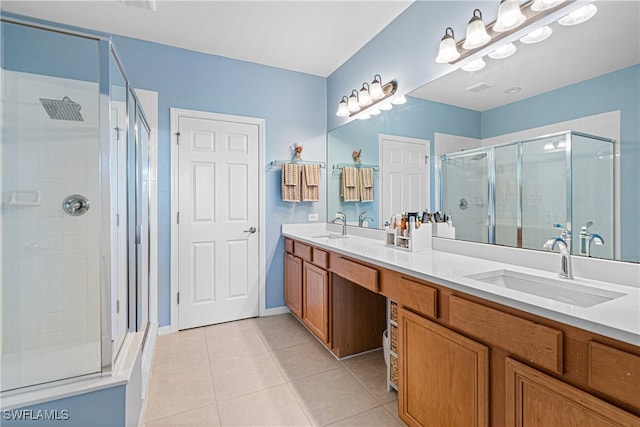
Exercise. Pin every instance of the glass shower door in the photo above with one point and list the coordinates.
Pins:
(50, 219)
(465, 197)
(546, 191)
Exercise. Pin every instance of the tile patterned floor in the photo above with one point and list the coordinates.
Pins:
(268, 371)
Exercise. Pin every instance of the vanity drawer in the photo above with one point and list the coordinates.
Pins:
(288, 245)
(533, 342)
(418, 297)
(359, 274)
(615, 372)
(301, 250)
(320, 258)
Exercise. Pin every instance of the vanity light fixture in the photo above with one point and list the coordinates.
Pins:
(536, 36)
(509, 16)
(475, 65)
(579, 16)
(476, 32)
(371, 94)
(448, 51)
(504, 51)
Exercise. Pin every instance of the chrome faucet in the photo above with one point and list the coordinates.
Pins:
(362, 218)
(564, 244)
(586, 238)
(342, 218)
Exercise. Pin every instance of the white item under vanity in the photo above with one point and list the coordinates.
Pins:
(418, 239)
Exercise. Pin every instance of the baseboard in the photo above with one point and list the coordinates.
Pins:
(164, 330)
(277, 310)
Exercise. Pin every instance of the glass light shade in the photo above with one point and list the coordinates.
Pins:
(539, 5)
(509, 16)
(364, 98)
(448, 50)
(399, 100)
(536, 36)
(375, 90)
(364, 116)
(385, 106)
(343, 111)
(476, 65)
(476, 32)
(353, 105)
(503, 51)
(579, 16)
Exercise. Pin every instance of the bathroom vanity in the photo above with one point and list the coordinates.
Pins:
(471, 350)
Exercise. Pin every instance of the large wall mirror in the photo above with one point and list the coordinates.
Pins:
(583, 79)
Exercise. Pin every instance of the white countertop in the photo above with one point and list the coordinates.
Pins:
(618, 318)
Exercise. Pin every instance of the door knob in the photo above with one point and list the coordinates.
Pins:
(251, 230)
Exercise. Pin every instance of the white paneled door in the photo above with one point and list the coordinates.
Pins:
(404, 164)
(218, 204)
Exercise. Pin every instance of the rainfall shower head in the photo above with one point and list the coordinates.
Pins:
(64, 109)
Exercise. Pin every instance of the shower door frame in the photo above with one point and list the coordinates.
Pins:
(490, 151)
(106, 50)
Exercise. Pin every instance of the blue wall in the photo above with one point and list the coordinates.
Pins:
(619, 90)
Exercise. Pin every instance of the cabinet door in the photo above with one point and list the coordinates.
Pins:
(293, 284)
(534, 399)
(443, 375)
(316, 301)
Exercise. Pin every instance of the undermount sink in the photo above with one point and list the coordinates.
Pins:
(329, 236)
(558, 290)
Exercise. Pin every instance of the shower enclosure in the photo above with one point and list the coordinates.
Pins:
(74, 208)
(512, 194)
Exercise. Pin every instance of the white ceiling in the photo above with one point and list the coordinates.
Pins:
(310, 36)
(607, 42)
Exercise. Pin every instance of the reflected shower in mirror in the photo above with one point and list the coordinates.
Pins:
(573, 81)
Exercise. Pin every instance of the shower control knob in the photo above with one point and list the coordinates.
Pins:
(76, 205)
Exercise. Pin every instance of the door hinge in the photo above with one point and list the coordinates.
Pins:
(117, 220)
(117, 306)
(178, 218)
(426, 160)
(178, 138)
(178, 297)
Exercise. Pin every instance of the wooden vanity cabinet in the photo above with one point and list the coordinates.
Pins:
(293, 284)
(500, 366)
(444, 376)
(315, 295)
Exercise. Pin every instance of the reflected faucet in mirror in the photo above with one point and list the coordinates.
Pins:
(564, 244)
(362, 219)
(342, 218)
(587, 238)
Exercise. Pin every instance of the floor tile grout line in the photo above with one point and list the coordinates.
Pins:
(213, 384)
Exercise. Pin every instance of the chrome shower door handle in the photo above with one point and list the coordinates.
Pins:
(76, 205)
(251, 230)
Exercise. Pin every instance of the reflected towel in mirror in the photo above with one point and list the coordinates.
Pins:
(366, 185)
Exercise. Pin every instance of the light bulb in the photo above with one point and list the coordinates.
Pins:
(539, 5)
(476, 32)
(448, 50)
(364, 98)
(385, 106)
(343, 111)
(537, 36)
(476, 65)
(399, 100)
(579, 16)
(375, 90)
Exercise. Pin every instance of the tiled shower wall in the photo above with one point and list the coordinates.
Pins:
(50, 260)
